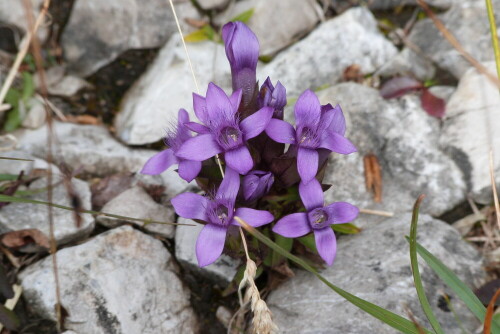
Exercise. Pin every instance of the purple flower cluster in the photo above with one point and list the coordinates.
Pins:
(247, 132)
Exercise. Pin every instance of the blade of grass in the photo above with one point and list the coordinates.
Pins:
(453, 282)
(424, 302)
(488, 319)
(391, 319)
(494, 36)
(13, 199)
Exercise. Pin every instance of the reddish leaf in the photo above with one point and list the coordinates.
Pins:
(432, 104)
(21, 238)
(399, 86)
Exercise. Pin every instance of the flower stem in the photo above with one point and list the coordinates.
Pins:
(494, 36)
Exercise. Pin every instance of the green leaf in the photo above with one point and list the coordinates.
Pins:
(347, 228)
(391, 319)
(243, 17)
(424, 302)
(286, 244)
(8, 318)
(196, 36)
(309, 242)
(454, 283)
(8, 177)
(13, 116)
(28, 87)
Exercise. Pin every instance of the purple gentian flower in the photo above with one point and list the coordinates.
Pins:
(256, 184)
(273, 97)
(188, 169)
(219, 214)
(222, 130)
(242, 51)
(312, 133)
(318, 219)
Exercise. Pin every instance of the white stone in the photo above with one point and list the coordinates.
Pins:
(213, 4)
(13, 12)
(99, 31)
(152, 104)
(375, 265)
(470, 131)
(36, 115)
(275, 34)
(321, 58)
(407, 63)
(136, 203)
(92, 150)
(121, 281)
(18, 216)
(405, 140)
(221, 271)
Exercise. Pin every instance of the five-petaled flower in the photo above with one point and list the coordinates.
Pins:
(218, 213)
(222, 130)
(317, 219)
(188, 169)
(313, 131)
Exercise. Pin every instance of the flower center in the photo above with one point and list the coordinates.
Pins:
(220, 213)
(318, 218)
(230, 137)
(308, 138)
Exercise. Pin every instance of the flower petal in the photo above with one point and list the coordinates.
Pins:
(337, 143)
(254, 124)
(197, 127)
(229, 186)
(280, 131)
(210, 244)
(341, 212)
(200, 107)
(191, 206)
(159, 162)
(307, 110)
(218, 104)
(307, 163)
(199, 148)
(253, 217)
(279, 96)
(311, 194)
(326, 243)
(293, 226)
(338, 122)
(235, 99)
(189, 169)
(239, 159)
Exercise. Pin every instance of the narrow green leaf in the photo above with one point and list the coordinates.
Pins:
(196, 36)
(454, 283)
(243, 17)
(13, 116)
(8, 318)
(14, 199)
(391, 319)
(286, 244)
(8, 177)
(309, 242)
(28, 87)
(347, 228)
(424, 302)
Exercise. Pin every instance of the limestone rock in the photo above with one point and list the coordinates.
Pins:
(136, 203)
(321, 58)
(375, 265)
(122, 281)
(18, 216)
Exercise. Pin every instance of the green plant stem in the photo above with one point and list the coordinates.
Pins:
(494, 36)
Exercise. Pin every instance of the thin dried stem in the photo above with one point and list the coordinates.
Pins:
(456, 44)
(377, 212)
(494, 189)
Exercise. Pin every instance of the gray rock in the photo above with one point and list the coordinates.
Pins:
(342, 5)
(212, 4)
(13, 12)
(136, 203)
(14, 167)
(98, 31)
(375, 265)
(405, 140)
(36, 115)
(321, 57)
(18, 216)
(275, 34)
(60, 84)
(407, 62)
(92, 150)
(122, 281)
(468, 22)
(443, 92)
(471, 130)
(221, 271)
(234, 9)
(144, 114)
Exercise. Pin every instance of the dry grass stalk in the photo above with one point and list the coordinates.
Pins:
(262, 322)
(494, 189)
